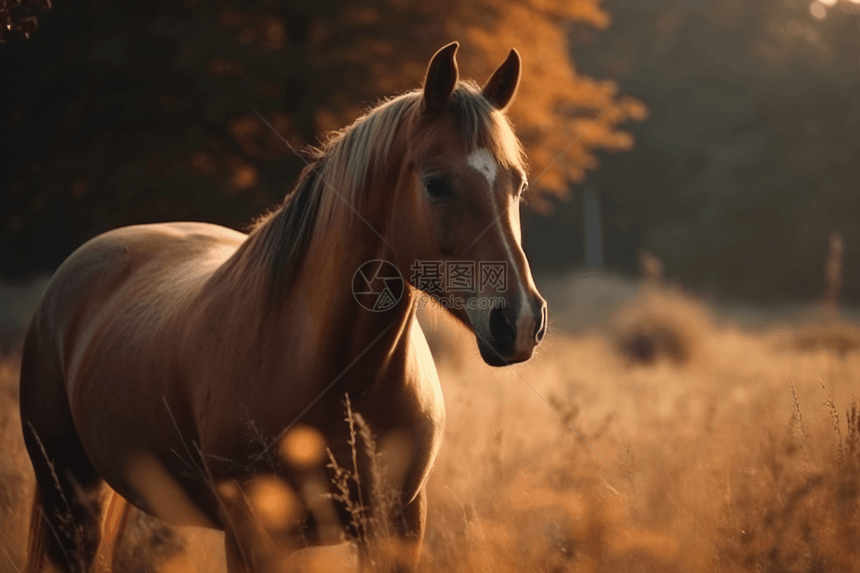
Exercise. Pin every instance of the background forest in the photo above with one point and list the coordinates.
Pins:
(743, 116)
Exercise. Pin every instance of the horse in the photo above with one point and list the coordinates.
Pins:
(158, 348)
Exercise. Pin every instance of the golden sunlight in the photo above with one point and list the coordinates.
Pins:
(303, 447)
(274, 503)
(818, 10)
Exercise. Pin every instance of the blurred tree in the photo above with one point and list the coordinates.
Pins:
(121, 113)
(747, 162)
(18, 17)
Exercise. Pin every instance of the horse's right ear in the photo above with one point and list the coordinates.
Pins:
(502, 85)
(442, 76)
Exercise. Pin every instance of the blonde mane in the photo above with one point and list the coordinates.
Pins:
(339, 169)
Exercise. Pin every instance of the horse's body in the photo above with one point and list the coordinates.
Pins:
(160, 297)
(158, 350)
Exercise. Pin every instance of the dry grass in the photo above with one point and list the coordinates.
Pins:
(16, 476)
(660, 325)
(830, 334)
(743, 456)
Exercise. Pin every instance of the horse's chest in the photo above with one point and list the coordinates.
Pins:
(411, 433)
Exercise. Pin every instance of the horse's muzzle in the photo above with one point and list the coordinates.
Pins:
(514, 332)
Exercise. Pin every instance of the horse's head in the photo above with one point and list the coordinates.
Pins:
(462, 179)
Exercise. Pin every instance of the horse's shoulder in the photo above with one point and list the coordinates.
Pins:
(421, 350)
(427, 378)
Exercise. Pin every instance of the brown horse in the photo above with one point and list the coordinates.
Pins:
(155, 347)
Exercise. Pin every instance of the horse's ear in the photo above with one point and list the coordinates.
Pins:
(502, 85)
(442, 76)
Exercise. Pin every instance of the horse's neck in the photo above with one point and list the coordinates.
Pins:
(326, 279)
(318, 318)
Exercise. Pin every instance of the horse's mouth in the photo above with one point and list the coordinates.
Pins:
(498, 357)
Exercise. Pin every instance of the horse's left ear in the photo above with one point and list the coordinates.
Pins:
(502, 85)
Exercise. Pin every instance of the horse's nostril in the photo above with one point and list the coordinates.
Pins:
(501, 327)
(540, 327)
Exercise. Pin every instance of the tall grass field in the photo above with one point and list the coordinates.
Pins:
(660, 435)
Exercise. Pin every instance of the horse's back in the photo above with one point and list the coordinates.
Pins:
(164, 249)
(133, 274)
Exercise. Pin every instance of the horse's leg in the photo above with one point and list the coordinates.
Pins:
(65, 518)
(400, 554)
(250, 547)
(116, 521)
(257, 539)
(413, 523)
(67, 505)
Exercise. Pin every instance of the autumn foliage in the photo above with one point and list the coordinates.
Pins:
(138, 113)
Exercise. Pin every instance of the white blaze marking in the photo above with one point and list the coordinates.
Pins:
(483, 162)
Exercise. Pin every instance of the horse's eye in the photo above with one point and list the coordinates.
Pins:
(438, 188)
(524, 187)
